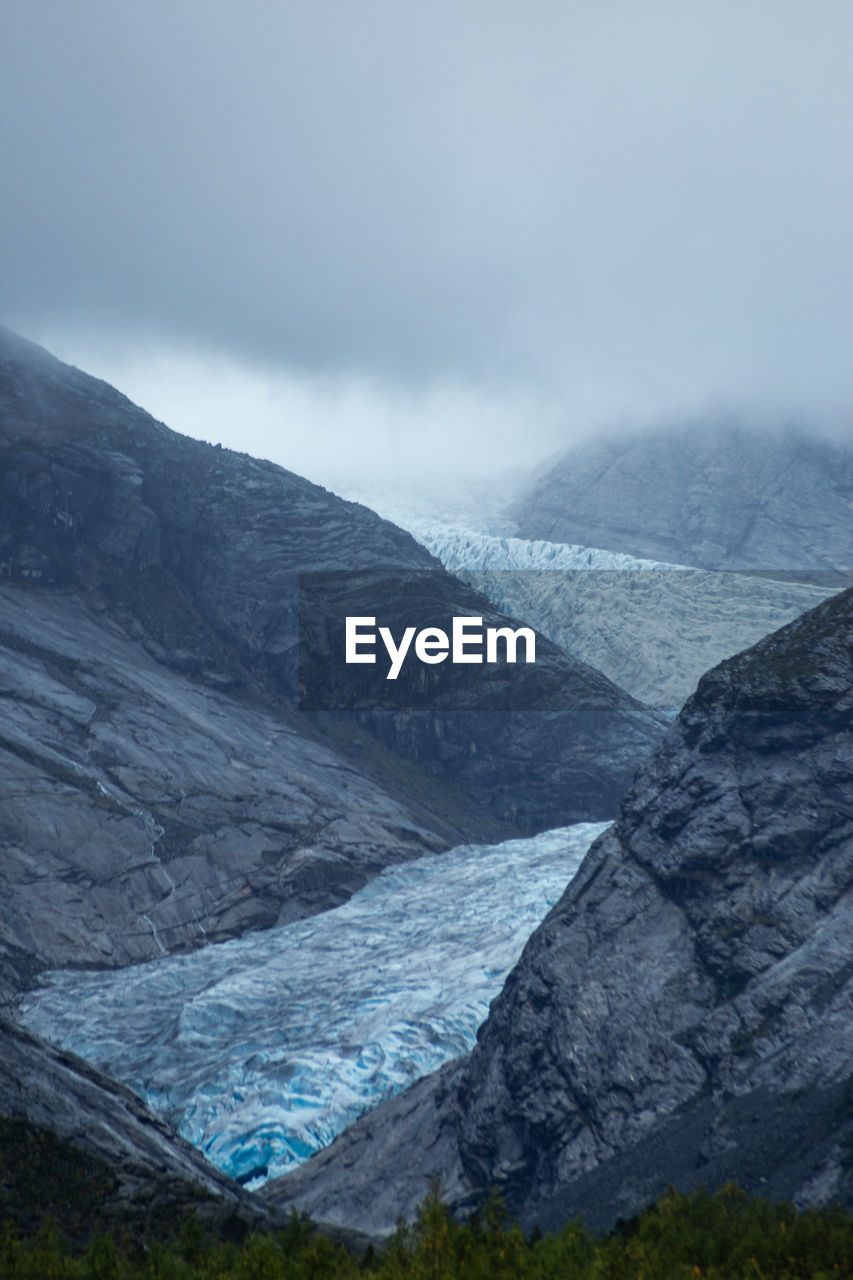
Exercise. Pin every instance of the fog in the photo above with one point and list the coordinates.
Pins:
(408, 238)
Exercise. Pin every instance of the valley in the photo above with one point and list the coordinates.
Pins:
(261, 1050)
(517, 932)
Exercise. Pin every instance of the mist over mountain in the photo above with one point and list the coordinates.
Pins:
(164, 789)
(595, 214)
(714, 494)
(488, 273)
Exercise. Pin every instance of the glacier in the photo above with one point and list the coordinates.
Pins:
(652, 628)
(261, 1050)
(461, 548)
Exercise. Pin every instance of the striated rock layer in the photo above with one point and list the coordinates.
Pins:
(144, 812)
(685, 1013)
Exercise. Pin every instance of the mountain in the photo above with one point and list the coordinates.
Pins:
(715, 495)
(147, 811)
(163, 784)
(683, 1014)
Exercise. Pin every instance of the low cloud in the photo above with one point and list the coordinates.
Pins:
(466, 223)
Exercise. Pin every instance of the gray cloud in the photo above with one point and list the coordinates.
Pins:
(619, 205)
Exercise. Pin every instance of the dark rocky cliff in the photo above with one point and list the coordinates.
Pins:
(162, 787)
(713, 495)
(82, 1148)
(685, 1013)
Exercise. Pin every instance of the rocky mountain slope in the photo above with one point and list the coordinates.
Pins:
(164, 787)
(714, 495)
(683, 1014)
(88, 1148)
(146, 812)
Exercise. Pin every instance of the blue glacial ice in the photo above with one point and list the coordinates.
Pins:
(260, 1050)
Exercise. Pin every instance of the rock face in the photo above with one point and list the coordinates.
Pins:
(683, 1015)
(162, 787)
(146, 812)
(716, 496)
(534, 740)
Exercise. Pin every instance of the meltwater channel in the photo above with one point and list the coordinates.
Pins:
(260, 1050)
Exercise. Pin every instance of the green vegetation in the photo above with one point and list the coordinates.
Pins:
(727, 1234)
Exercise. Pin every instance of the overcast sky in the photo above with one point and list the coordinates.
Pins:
(331, 231)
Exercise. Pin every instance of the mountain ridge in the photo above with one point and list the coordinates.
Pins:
(165, 787)
(688, 997)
